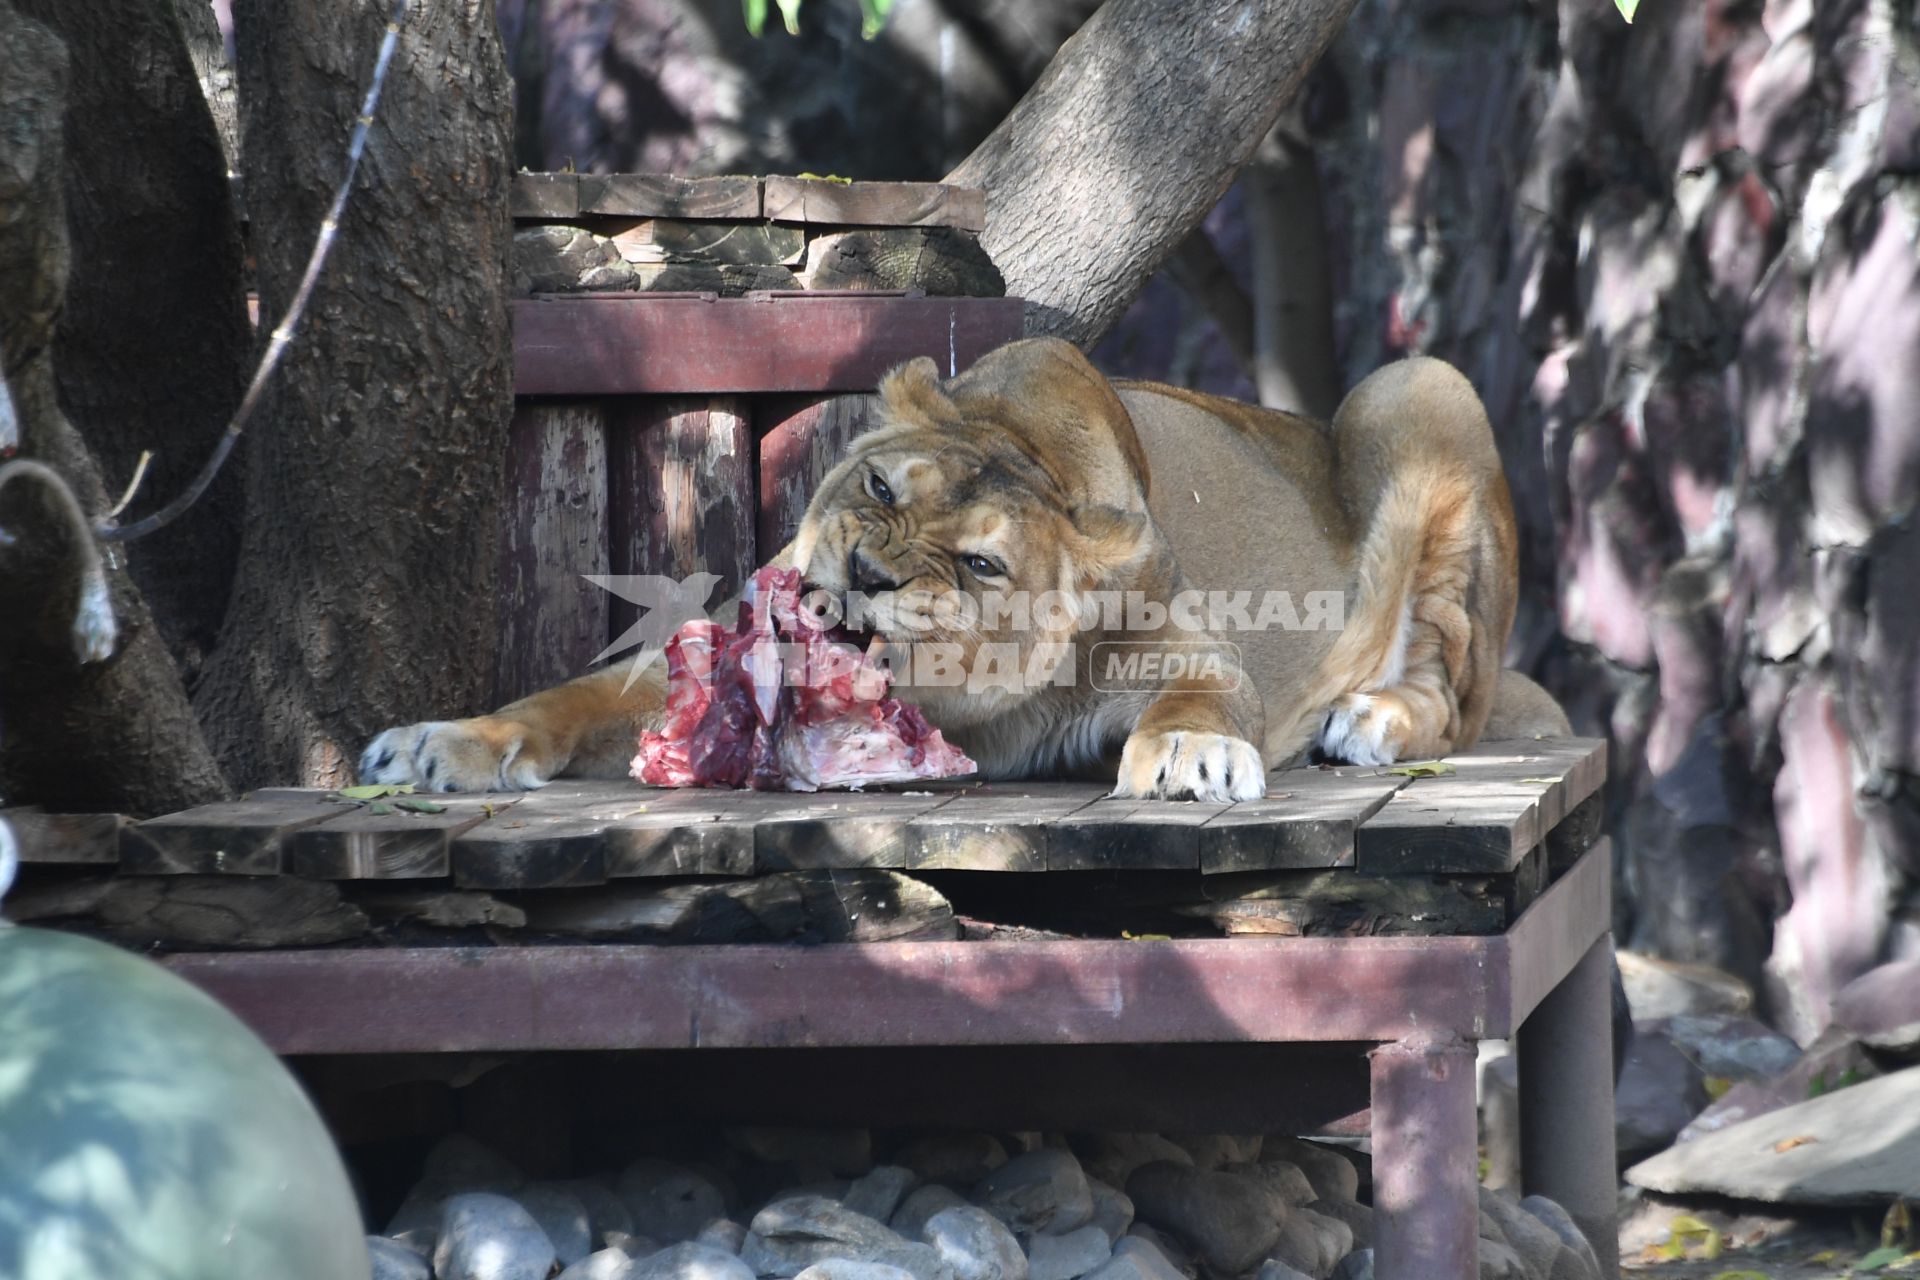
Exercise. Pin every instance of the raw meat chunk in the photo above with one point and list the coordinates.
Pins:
(775, 704)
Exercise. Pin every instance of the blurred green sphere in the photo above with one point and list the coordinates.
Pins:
(145, 1132)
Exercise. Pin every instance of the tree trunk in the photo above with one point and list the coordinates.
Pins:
(1136, 129)
(118, 733)
(366, 588)
(207, 47)
(153, 348)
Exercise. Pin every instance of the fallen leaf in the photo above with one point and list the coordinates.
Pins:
(1825, 1256)
(1684, 1232)
(1717, 1087)
(1146, 937)
(1879, 1258)
(375, 791)
(380, 809)
(1788, 1144)
(1626, 8)
(420, 806)
(1741, 1275)
(1434, 769)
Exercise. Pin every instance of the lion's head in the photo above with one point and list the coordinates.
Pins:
(967, 526)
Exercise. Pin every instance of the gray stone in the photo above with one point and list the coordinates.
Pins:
(632, 1245)
(1038, 1191)
(1135, 1259)
(1274, 1269)
(853, 1269)
(462, 1163)
(921, 1261)
(909, 1221)
(394, 1261)
(489, 1237)
(1112, 1210)
(1284, 1182)
(605, 1212)
(1731, 1047)
(1834, 1061)
(1228, 1221)
(1312, 1242)
(1860, 1145)
(1358, 1217)
(1660, 1090)
(1659, 988)
(416, 1223)
(1500, 1120)
(1211, 1150)
(1141, 1237)
(975, 1245)
(1561, 1223)
(604, 1264)
(878, 1192)
(1112, 1157)
(1498, 1262)
(788, 1236)
(1882, 1007)
(564, 1218)
(690, 1261)
(1357, 1265)
(668, 1202)
(722, 1233)
(1533, 1240)
(845, 1153)
(955, 1159)
(1068, 1256)
(1331, 1172)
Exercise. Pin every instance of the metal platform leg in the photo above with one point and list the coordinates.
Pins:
(1566, 1102)
(1425, 1198)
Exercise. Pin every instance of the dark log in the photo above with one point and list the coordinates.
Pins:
(937, 261)
(65, 837)
(553, 620)
(199, 911)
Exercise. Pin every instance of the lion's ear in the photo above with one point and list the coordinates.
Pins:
(1109, 540)
(913, 392)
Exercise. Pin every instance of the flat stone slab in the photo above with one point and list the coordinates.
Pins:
(1859, 1145)
(1882, 1007)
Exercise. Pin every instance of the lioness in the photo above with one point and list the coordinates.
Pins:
(1350, 586)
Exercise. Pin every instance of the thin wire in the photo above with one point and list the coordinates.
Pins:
(296, 310)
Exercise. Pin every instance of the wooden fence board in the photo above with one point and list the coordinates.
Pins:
(801, 439)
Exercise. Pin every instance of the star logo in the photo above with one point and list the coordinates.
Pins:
(666, 605)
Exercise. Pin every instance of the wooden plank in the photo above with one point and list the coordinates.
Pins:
(689, 832)
(1002, 828)
(1553, 934)
(1309, 818)
(544, 195)
(555, 837)
(553, 533)
(836, 829)
(65, 838)
(400, 845)
(801, 439)
(681, 495)
(1485, 821)
(664, 345)
(1130, 835)
(660, 195)
(874, 204)
(233, 837)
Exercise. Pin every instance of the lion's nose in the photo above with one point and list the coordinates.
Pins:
(868, 576)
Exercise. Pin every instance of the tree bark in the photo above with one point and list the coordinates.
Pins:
(1137, 128)
(1294, 367)
(366, 588)
(207, 47)
(153, 347)
(119, 733)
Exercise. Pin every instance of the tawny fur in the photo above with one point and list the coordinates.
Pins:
(1065, 482)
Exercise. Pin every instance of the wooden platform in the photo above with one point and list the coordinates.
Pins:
(1481, 818)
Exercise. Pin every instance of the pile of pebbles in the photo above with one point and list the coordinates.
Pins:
(946, 1206)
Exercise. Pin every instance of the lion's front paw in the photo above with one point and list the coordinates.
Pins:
(484, 754)
(1366, 729)
(1178, 764)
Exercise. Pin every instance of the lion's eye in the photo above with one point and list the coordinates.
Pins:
(879, 488)
(981, 566)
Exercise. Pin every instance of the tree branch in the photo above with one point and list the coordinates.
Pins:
(1135, 130)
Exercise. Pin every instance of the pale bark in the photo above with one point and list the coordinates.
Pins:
(1133, 133)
